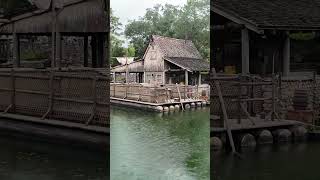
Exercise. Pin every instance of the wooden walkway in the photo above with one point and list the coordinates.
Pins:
(246, 125)
(148, 105)
(55, 131)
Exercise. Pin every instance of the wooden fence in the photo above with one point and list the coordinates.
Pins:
(78, 95)
(157, 94)
(263, 95)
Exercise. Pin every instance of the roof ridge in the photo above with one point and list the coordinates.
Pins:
(166, 37)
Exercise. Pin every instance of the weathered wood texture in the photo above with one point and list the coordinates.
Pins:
(257, 94)
(134, 67)
(68, 95)
(81, 16)
(156, 94)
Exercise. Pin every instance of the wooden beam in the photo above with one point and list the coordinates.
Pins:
(85, 51)
(245, 51)
(94, 50)
(238, 20)
(186, 77)
(16, 50)
(58, 49)
(286, 56)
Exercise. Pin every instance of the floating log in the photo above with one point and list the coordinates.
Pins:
(171, 108)
(165, 109)
(299, 133)
(247, 140)
(282, 135)
(216, 143)
(264, 137)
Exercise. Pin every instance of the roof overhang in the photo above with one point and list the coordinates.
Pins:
(237, 19)
(187, 69)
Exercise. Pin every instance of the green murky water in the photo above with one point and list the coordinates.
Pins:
(153, 146)
(280, 162)
(22, 159)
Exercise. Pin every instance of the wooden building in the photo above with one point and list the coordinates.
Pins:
(257, 36)
(169, 61)
(87, 19)
(128, 72)
(65, 103)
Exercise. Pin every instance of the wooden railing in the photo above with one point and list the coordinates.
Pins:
(79, 96)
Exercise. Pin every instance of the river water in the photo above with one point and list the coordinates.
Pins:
(299, 161)
(23, 159)
(153, 146)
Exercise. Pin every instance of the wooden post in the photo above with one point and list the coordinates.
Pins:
(199, 79)
(314, 94)
(186, 77)
(85, 51)
(58, 49)
(53, 35)
(94, 50)
(179, 96)
(239, 100)
(101, 51)
(94, 99)
(51, 95)
(164, 77)
(16, 50)
(127, 72)
(224, 111)
(273, 98)
(245, 48)
(13, 95)
(286, 56)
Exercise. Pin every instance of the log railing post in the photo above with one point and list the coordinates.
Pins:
(13, 94)
(51, 95)
(94, 99)
(314, 94)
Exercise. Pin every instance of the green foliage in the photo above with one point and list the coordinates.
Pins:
(33, 56)
(303, 36)
(191, 21)
(12, 6)
(117, 48)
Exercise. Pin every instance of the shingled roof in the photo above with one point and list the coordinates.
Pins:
(172, 47)
(189, 64)
(181, 52)
(264, 14)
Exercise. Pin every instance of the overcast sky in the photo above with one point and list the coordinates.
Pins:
(132, 9)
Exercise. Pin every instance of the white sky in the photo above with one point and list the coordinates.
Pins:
(131, 9)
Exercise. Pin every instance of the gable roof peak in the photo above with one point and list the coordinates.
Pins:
(173, 47)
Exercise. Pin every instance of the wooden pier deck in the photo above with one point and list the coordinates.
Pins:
(56, 131)
(247, 125)
(148, 105)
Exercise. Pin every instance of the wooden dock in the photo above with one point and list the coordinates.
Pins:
(158, 107)
(259, 124)
(56, 131)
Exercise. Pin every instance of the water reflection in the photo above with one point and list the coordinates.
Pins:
(28, 160)
(147, 145)
(288, 161)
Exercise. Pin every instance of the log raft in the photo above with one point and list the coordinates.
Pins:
(55, 131)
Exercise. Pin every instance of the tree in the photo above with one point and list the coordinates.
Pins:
(117, 45)
(9, 7)
(157, 20)
(191, 21)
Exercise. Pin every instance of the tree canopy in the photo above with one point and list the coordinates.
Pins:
(117, 45)
(9, 7)
(192, 21)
